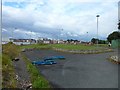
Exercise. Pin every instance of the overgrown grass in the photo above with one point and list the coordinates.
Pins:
(66, 46)
(8, 75)
(38, 81)
(9, 52)
(79, 47)
(0, 70)
(37, 46)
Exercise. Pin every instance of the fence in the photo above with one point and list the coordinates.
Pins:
(115, 43)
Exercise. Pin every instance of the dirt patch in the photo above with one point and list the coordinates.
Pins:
(22, 75)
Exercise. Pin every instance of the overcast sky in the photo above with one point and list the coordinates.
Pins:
(63, 19)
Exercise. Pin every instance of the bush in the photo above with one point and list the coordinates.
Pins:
(11, 50)
(8, 74)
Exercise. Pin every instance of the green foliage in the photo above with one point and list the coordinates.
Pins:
(102, 42)
(38, 81)
(8, 75)
(11, 50)
(113, 36)
(94, 40)
(119, 25)
(36, 46)
(77, 47)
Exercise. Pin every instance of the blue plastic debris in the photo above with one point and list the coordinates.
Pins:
(54, 57)
(43, 62)
(48, 60)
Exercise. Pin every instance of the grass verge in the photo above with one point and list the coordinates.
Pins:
(36, 46)
(78, 47)
(8, 75)
(38, 81)
(9, 52)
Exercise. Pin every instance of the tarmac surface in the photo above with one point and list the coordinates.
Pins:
(77, 70)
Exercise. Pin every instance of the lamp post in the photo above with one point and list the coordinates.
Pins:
(97, 28)
(61, 31)
(87, 35)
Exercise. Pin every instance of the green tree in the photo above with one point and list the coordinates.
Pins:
(94, 40)
(119, 25)
(11, 50)
(102, 42)
(113, 36)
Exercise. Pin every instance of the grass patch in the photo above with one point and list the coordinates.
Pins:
(38, 81)
(65, 46)
(36, 46)
(79, 47)
(8, 75)
(9, 52)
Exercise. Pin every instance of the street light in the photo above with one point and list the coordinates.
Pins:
(61, 32)
(87, 34)
(97, 28)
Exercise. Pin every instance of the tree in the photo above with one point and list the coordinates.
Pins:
(94, 40)
(102, 42)
(119, 25)
(113, 36)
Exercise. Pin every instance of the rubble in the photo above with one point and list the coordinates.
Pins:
(115, 59)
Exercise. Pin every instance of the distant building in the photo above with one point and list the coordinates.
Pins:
(5, 42)
(71, 41)
(49, 41)
(61, 42)
(54, 41)
(44, 40)
(23, 41)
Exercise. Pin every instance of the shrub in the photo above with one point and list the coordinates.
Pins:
(11, 50)
(8, 74)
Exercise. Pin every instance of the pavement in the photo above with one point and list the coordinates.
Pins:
(78, 70)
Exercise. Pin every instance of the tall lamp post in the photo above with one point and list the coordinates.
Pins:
(87, 35)
(97, 28)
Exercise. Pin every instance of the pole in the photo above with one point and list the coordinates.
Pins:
(97, 28)
(87, 36)
(30, 37)
(1, 45)
(61, 33)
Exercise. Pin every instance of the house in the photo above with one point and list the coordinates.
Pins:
(71, 41)
(23, 41)
(44, 40)
(5, 42)
(60, 42)
(54, 41)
